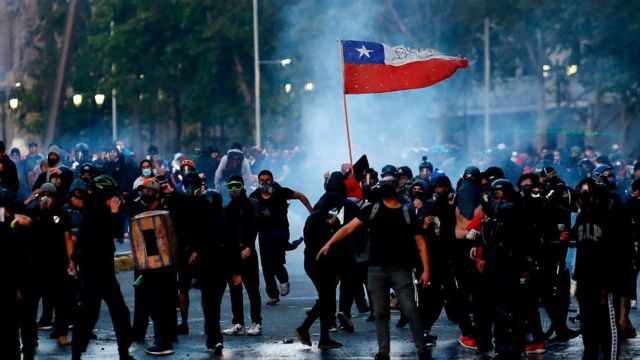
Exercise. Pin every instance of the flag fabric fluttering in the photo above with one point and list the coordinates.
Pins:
(371, 67)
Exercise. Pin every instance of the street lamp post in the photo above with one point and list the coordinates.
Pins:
(256, 69)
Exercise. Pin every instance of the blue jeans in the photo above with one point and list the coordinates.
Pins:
(381, 280)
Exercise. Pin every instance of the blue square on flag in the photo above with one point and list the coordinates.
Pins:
(363, 52)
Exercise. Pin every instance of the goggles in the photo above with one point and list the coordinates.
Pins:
(235, 186)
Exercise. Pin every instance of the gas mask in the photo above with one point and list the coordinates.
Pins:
(266, 188)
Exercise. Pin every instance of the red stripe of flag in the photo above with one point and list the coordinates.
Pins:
(378, 78)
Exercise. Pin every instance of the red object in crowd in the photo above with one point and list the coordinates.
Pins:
(353, 188)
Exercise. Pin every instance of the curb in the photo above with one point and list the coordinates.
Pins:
(123, 262)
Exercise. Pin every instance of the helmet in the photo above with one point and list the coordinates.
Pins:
(404, 171)
(503, 185)
(151, 183)
(388, 170)
(104, 183)
(425, 164)
(187, 163)
(471, 172)
(605, 176)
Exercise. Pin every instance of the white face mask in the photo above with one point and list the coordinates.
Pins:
(2, 214)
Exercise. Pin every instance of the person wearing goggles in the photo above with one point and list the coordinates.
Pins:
(242, 220)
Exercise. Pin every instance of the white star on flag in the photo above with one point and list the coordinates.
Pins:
(364, 52)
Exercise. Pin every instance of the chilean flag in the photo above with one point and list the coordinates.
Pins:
(371, 67)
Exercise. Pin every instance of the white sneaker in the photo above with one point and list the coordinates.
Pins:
(284, 289)
(634, 304)
(236, 329)
(254, 330)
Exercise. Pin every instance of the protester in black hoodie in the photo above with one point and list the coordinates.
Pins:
(240, 212)
(95, 249)
(217, 259)
(603, 267)
(318, 229)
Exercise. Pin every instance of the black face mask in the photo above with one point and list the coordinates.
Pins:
(387, 189)
(441, 196)
(148, 199)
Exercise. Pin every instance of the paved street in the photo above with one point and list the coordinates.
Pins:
(278, 340)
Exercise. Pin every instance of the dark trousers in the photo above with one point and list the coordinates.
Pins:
(27, 315)
(555, 296)
(272, 257)
(251, 280)
(445, 292)
(95, 286)
(598, 323)
(360, 283)
(381, 281)
(531, 303)
(140, 309)
(161, 289)
(347, 276)
(56, 291)
(155, 297)
(9, 334)
(499, 306)
(324, 280)
(212, 285)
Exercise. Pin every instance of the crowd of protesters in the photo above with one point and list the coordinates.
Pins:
(493, 248)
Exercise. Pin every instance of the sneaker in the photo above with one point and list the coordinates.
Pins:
(254, 330)
(345, 323)
(183, 329)
(329, 344)
(430, 340)
(284, 289)
(536, 348)
(216, 350)
(159, 350)
(468, 342)
(272, 302)
(565, 336)
(333, 328)
(303, 336)
(634, 304)
(235, 329)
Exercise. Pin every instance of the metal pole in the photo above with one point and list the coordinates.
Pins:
(487, 80)
(256, 66)
(114, 106)
(114, 116)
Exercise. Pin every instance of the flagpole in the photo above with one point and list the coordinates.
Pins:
(344, 101)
